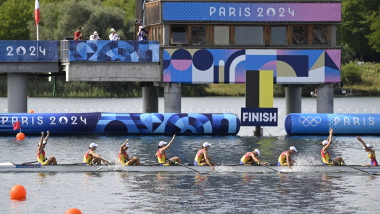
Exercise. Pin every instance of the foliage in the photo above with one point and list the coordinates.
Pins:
(14, 16)
(374, 36)
(351, 74)
(347, 54)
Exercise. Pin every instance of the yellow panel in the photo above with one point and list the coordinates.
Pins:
(266, 89)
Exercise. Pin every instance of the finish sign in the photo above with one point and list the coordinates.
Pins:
(259, 116)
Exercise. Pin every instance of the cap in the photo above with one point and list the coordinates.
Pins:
(128, 145)
(368, 146)
(95, 33)
(113, 30)
(206, 144)
(257, 151)
(161, 143)
(92, 145)
(140, 27)
(325, 142)
(293, 148)
(45, 142)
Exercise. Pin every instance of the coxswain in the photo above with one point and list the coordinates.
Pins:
(41, 156)
(124, 157)
(161, 156)
(285, 158)
(326, 155)
(252, 158)
(371, 152)
(202, 159)
(91, 158)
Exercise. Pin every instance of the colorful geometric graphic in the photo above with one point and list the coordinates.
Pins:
(205, 66)
(121, 123)
(123, 51)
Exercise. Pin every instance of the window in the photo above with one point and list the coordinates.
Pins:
(249, 35)
(278, 35)
(320, 35)
(221, 35)
(198, 35)
(300, 35)
(179, 35)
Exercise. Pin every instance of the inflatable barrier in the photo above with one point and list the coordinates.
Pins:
(344, 124)
(121, 123)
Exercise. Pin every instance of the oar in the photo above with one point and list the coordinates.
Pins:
(26, 163)
(371, 173)
(279, 172)
(186, 166)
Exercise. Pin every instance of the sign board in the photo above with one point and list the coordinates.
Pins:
(252, 12)
(259, 116)
(28, 51)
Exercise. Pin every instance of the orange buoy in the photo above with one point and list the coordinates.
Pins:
(73, 211)
(31, 111)
(18, 192)
(20, 136)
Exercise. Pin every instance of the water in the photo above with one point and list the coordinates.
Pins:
(218, 192)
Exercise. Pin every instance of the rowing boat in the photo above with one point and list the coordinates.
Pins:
(11, 167)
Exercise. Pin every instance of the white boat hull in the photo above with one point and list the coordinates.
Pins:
(10, 167)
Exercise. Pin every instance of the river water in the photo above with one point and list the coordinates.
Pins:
(218, 192)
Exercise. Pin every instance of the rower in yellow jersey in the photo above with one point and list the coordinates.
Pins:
(252, 158)
(285, 158)
(326, 155)
(124, 157)
(91, 158)
(202, 159)
(371, 153)
(161, 155)
(41, 157)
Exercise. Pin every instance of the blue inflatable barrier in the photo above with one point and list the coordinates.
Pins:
(121, 123)
(344, 124)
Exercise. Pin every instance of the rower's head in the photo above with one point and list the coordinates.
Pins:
(126, 146)
(256, 152)
(44, 144)
(292, 150)
(162, 144)
(206, 145)
(93, 146)
(324, 143)
(369, 146)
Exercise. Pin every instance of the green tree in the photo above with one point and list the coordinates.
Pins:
(14, 16)
(374, 37)
(356, 20)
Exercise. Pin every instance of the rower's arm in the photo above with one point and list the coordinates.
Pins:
(40, 144)
(207, 160)
(47, 136)
(169, 144)
(365, 145)
(98, 156)
(122, 145)
(329, 139)
(256, 159)
(288, 160)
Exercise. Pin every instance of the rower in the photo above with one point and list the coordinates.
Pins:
(41, 156)
(252, 158)
(161, 155)
(285, 158)
(201, 158)
(326, 155)
(371, 152)
(124, 157)
(91, 158)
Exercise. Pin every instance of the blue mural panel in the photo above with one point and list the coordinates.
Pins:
(28, 51)
(345, 124)
(121, 123)
(205, 66)
(119, 51)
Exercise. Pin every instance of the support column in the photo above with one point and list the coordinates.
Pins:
(293, 96)
(17, 92)
(165, 35)
(172, 98)
(325, 99)
(150, 98)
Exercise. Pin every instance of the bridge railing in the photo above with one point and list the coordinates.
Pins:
(108, 51)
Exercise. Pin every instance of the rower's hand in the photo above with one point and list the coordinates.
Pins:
(42, 133)
(126, 140)
(48, 132)
(331, 131)
(213, 168)
(359, 138)
(108, 163)
(173, 136)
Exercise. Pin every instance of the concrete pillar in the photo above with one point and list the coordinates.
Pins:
(325, 99)
(17, 92)
(293, 96)
(172, 98)
(150, 98)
